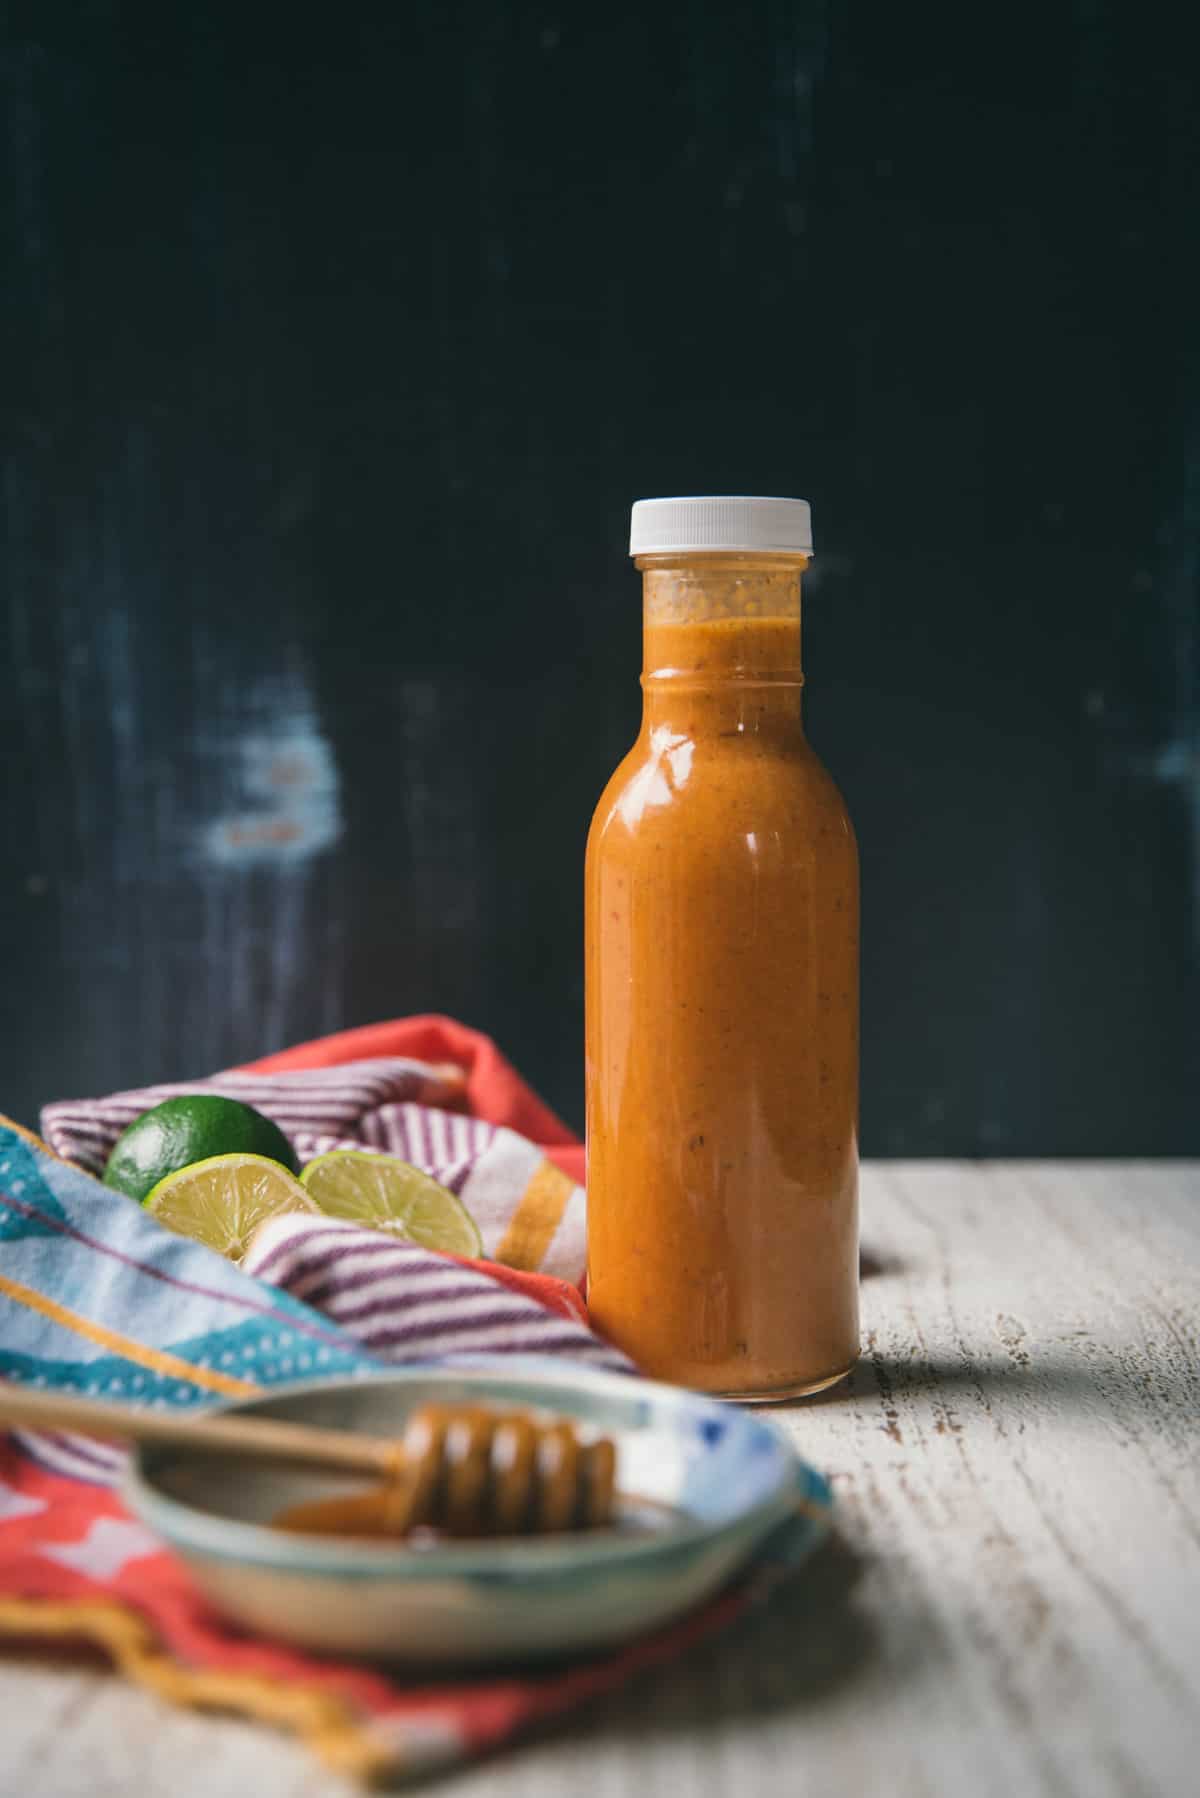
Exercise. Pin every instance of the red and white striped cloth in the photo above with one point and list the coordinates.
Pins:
(403, 1303)
(530, 1213)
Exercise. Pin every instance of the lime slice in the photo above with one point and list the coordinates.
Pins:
(222, 1201)
(384, 1193)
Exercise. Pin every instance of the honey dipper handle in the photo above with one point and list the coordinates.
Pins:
(258, 1438)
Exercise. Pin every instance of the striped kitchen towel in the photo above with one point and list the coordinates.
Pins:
(443, 1097)
(427, 1089)
(404, 1303)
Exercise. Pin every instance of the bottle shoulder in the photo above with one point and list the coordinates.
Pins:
(709, 787)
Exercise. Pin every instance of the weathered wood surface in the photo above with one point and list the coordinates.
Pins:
(1013, 1607)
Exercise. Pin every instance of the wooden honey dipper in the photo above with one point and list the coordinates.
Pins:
(462, 1470)
(466, 1470)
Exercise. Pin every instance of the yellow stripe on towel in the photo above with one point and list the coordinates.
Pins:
(156, 1360)
(325, 1721)
(537, 1216)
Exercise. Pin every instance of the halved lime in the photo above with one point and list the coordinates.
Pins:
(188, 1128)
(384, 1193)
(222, 1201)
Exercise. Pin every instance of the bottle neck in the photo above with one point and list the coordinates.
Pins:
(721, 642)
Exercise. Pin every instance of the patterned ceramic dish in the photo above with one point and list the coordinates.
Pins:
(728, 1476)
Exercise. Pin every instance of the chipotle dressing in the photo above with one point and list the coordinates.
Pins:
(722, 1001)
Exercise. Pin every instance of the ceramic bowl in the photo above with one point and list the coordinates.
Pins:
(727, 1476)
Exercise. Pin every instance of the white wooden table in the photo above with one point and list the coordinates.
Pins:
(1015, 1608)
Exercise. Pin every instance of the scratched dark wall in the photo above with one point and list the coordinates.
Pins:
(339, 342)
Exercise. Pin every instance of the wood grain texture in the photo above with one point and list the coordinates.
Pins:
(1013, 1601)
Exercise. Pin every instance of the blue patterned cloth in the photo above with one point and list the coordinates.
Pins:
(96, 1298)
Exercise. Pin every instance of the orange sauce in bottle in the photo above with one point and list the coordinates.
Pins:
(722, 1004)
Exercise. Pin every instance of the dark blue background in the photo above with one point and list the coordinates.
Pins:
(340, 341)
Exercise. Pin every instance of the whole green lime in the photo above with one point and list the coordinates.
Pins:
(191, 1128)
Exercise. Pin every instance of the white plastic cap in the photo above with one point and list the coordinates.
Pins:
(720, 521)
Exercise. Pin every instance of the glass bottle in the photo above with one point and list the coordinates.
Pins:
(722, 982)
